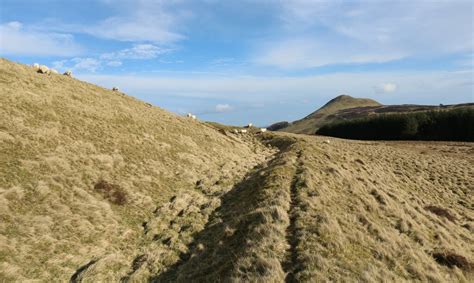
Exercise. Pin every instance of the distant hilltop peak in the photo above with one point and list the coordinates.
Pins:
(341, 97)
(326, 114)
(345, 107)
(347, 101)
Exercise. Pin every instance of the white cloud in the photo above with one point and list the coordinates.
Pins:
(112, 59)
(134, 21)
(308, 53)
(385, 88)
(138, 51)
(223, 107)
(14, 25)
(59, 64)
(17, 40)
(78, 64)
(317, 33)
(148, 28)
(88, 64)
(114, 63)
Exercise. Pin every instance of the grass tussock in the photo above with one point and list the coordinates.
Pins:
(451, 260)
(112, 192)
(442, 212)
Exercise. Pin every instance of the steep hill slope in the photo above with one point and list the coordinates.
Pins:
(82, 168)
(98, 186)
(345, 108)
(325, 114)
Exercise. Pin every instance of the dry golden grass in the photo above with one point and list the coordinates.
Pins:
(362, 216)
(98, 186)
(59, 137)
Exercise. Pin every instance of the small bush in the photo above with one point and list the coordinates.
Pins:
(441, 212)
(112, 192)
(451, 259)
(278, 126)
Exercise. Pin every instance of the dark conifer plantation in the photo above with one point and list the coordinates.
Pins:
(451, 125)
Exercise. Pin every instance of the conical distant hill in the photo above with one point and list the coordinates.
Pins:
(325, 114)
(345, 107)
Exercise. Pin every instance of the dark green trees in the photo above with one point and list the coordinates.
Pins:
(451, 125)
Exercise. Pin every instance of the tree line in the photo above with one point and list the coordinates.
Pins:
(446, 125)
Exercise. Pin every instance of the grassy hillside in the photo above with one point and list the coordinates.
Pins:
(344, 102)
(96, 186)
(345, 108)
(325, 114)
(59, 137)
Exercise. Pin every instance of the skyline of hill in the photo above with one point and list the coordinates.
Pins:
(346, 108)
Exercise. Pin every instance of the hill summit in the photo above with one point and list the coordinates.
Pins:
(346, 108)
(326, 114)
(345, 102)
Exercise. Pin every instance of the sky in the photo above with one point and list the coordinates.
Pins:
(256, 61)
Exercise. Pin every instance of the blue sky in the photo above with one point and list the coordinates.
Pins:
(252, 61)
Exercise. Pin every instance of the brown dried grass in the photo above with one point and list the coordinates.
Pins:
(112, 192)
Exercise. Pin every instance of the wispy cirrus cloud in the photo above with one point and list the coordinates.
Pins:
(133, 21)
(89, 64)
(318, 33)
(111, 59)
(15, 39)
(139, 27)
(78, 64)
(137, 51)
(308, 53)
(114, 63)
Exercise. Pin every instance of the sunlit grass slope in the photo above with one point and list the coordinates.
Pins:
(60, 137)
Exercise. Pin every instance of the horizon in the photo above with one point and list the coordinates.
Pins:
(252, 61)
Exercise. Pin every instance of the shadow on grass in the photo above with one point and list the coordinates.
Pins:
(230, 234)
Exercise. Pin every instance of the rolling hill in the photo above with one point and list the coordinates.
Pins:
(97, 186)
(345, 108)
